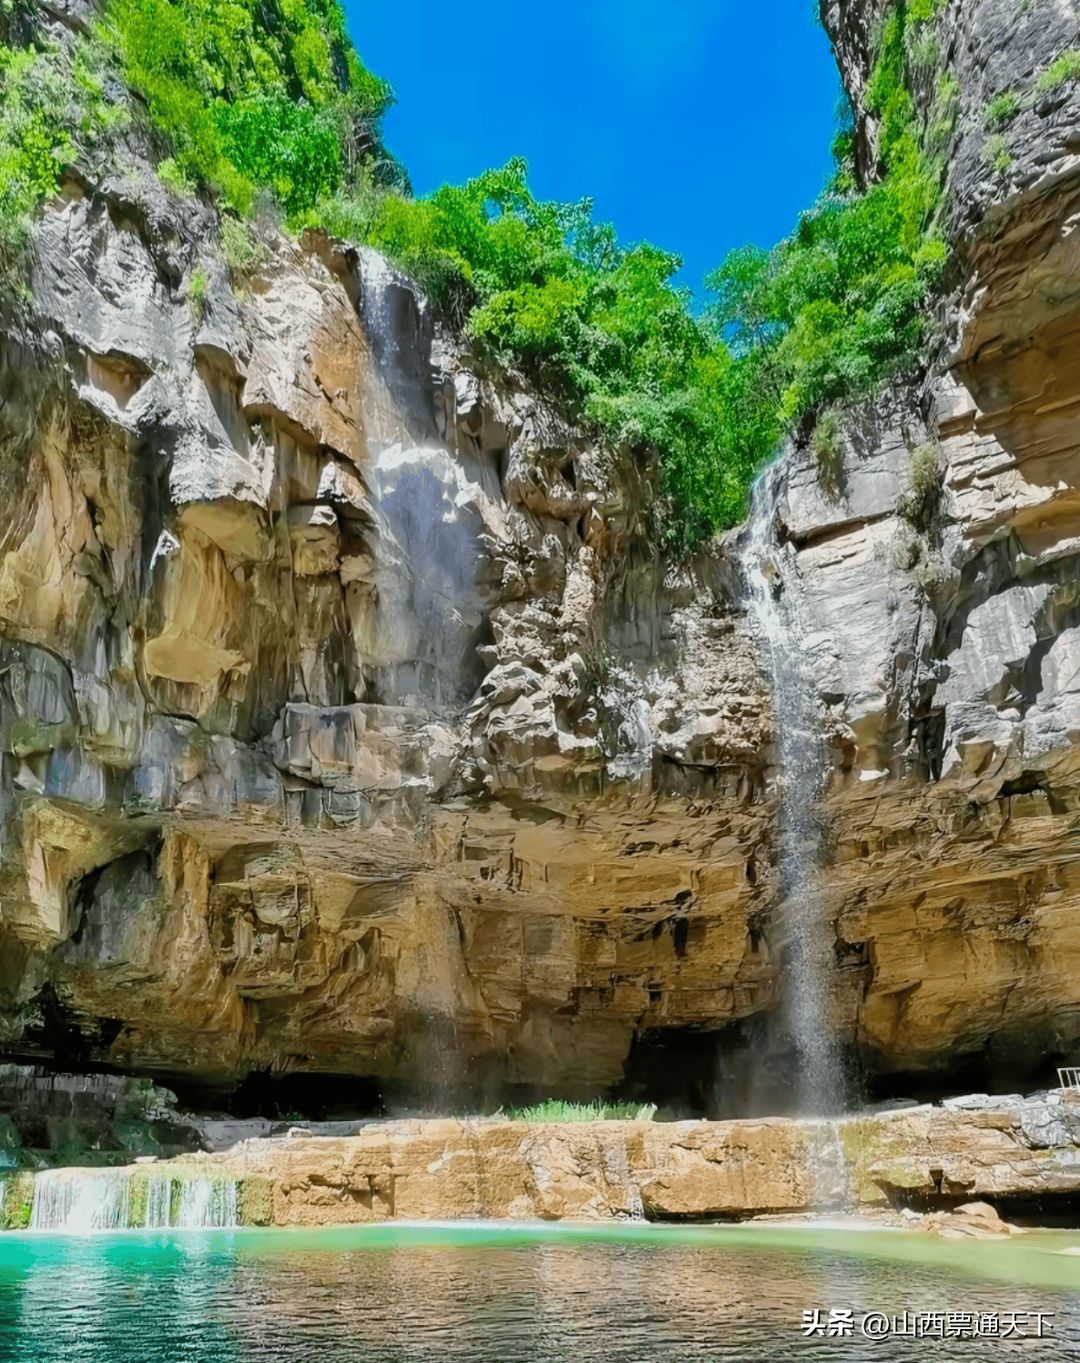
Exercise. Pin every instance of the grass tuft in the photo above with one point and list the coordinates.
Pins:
(919, 506)
(1003, 108)
(197, 293)
(996, 153)
(1063, 68)
(555, 1110)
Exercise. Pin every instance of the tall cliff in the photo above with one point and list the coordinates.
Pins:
(352, 724)
(936, 575)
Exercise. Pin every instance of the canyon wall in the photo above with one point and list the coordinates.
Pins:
(946, 636)
(353, 725)
(351, 722)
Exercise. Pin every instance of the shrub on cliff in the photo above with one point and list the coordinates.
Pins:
(52, 106)
(256, 94)
(542, 287)
(841, 305)
(253, 94)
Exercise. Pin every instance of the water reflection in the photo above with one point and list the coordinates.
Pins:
(402, 1294)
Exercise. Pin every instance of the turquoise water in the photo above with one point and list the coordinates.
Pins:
(498, 1294)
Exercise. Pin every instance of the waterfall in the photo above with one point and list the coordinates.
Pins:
(158, 1196)
(80, 1201)
(206, 1203)
(807, 1001)
(77, 1201)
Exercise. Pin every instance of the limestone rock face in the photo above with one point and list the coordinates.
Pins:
(351, 723)
(932, 570)
(586, 1171)
(591, 1171)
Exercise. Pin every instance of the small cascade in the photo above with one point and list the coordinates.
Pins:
(205, 1204)
(78, 1201)
(158, 1196)
(802, 760)
(81, 1200)
(614, 1158)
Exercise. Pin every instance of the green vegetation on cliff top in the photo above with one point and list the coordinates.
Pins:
(841, 305)
(268, 99)
(252, 94)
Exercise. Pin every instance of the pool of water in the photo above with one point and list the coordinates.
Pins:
(617, 1294)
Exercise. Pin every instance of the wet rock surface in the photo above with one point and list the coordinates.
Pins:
(51, 1120)
(953, 1170)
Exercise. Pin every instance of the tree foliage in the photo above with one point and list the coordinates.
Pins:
(842, 303)
(292, 149)
(252, 93)
(820, 319)
(269, 95)
(543, 287)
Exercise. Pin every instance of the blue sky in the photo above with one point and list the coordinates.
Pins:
(695, 124)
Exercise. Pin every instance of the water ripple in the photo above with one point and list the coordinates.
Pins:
(402, 1295)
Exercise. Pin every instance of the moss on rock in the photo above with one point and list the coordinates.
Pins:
(255, 1201)
(138, 1195)
(17, 1206)
(882, 1151)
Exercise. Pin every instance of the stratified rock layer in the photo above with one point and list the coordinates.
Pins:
(351, 723)
(447, 1169)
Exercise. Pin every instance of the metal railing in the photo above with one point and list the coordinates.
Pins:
(1069, 1079)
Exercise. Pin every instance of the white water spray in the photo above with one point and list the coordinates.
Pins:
(207, 1203)
(79, 1201)
(807, 996)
